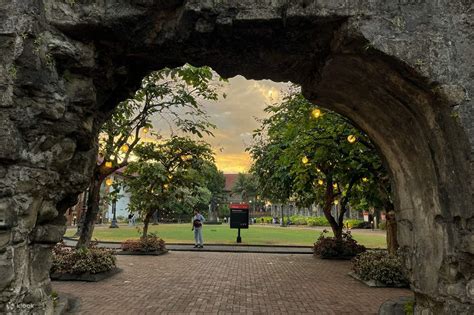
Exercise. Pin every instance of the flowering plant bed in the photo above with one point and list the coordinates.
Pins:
(333, 248)
(379, 269)
(150, 245)
(84, 264)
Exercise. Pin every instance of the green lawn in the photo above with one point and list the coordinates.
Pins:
(222, 234)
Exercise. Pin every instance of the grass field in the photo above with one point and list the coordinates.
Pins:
(222, 234)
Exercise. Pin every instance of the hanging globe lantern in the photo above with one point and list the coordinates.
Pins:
(305, 160)
(320, 182)
(336, 202)
(109, 181)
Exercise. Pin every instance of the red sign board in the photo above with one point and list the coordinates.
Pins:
(239, 206)
(239, 216)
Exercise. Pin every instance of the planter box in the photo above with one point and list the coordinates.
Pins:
(376, 284)
(155, 253)
(87, 277)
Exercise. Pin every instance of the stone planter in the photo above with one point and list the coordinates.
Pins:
(376, 284)
(87, 277)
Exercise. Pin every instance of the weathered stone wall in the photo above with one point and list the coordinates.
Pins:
(401, 70)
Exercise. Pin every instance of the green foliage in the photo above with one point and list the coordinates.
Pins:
(246, 186)
(214, 182)
(331, 247)
(150, 243)
(166, 177)
(379, 266)
(352, 223)
(315, 156)
(266, 219)
(84, 260)
(312, 221)
(409, 308)
(172, 95)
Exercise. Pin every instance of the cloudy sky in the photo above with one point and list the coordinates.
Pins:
(235, 116)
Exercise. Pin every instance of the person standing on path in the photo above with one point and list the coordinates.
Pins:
(198, 219)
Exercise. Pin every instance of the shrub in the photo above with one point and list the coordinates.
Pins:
(266, 219)
(79, 261)
(379, 266)
(298, 220)
(351, 223)
(152, 243)
(330, 247)
(317, 221)
(383, 225)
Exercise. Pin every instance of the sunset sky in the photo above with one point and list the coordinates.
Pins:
(235, 116)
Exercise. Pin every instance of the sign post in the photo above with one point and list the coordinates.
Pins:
(239, 218)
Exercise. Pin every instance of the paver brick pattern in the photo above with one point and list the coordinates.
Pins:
(228, 283)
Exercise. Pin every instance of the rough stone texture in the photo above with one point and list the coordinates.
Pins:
(395, 306)
(402, 70)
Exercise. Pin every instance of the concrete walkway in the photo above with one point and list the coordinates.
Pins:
(228, 283)
(217, 248)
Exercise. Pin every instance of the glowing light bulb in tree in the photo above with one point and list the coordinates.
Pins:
(108, 164)
(305, 160)
(351, 138)
(109, 181)
(124, 148)
(316, 113)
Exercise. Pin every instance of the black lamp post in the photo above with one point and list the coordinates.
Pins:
(114, 224)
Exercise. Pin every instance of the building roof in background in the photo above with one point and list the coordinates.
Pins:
(230, 181)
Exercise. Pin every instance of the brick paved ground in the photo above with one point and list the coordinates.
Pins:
(190, 282)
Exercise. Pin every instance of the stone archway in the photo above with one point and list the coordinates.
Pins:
(401, 70)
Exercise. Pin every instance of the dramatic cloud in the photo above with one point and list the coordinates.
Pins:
(235, 117)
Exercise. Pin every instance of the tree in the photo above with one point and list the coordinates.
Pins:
(316, 156)
(245, 186)
(163, 179)
(214, 181)
(173, 95)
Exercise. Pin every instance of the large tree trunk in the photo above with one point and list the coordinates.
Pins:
(391, 225)
(336, 228)
(146, 223)
(91, 214)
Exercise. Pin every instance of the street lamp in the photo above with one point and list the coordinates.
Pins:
(114, 224)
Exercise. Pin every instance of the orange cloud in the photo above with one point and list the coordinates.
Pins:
(233, 163)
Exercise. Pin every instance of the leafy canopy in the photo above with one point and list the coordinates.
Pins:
(312, 155)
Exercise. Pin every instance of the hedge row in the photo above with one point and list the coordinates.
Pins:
(311, 221)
